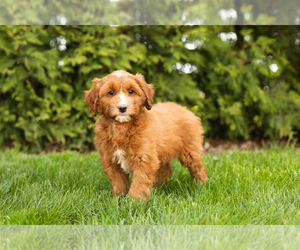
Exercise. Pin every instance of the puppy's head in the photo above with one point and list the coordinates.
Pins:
(120, 96)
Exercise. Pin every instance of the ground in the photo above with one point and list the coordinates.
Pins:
(68, 188)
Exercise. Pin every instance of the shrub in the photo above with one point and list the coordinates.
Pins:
(241, 81)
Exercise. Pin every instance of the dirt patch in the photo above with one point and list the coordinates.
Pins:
(218, 146)
(210, 146)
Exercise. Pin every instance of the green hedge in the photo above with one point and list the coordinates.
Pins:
(223, 74)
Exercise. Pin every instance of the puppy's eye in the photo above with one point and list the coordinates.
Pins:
(130, 91)
(111, 92)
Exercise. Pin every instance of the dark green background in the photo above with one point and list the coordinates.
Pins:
(228, 83)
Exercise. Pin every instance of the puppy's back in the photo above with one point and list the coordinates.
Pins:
(175, 126)
(172, 114)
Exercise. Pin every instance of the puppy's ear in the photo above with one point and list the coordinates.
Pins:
(92, 95)
(148, 90)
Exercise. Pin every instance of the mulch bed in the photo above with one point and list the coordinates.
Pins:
(218, 145)
(210, 146)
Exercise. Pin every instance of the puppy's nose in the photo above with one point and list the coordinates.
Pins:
(122, 109)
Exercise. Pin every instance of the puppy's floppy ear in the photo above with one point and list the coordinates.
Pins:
(92, 95)
(148, 89)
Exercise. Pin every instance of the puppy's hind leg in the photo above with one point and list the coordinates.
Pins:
(163, 174)
(193, 161)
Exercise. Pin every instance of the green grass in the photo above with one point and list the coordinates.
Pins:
(261, 188)
(150, 237)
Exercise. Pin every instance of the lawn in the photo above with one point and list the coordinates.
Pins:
(258, 188)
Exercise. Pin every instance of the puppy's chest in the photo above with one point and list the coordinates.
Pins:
(122, 150)
(118, 144)
(119, 157)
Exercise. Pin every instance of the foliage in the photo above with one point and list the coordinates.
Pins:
(251, 89)
(222, 73)
(137, 12)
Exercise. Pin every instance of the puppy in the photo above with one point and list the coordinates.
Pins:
(131, 136)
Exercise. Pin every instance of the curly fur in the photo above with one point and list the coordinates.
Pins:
(143, 140)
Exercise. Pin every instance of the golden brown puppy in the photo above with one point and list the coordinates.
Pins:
(132, 137)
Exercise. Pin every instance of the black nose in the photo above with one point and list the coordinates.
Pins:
(122, 109)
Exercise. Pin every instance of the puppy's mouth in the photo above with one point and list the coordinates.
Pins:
(123, 118)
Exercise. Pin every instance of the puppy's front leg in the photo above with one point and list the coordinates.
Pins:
(143, 176)
(119, 180)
